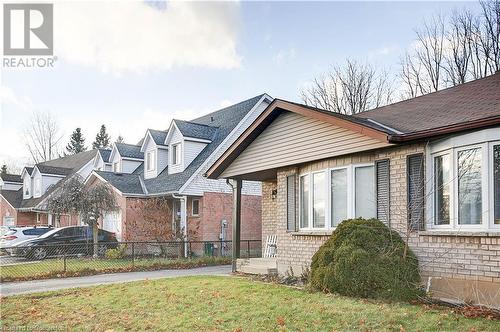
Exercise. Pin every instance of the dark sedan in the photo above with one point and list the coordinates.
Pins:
(72, 240)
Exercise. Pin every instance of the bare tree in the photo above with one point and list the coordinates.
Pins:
(42, 137)
(491, 30)
(429, 51)
(90, 202)
(349, 89)
(410, 76)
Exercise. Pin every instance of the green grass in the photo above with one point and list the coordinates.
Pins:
(80, 266)
(221, 303)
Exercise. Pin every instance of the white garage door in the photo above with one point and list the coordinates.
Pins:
(112, 222)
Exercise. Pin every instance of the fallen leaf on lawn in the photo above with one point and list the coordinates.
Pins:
(237, 329)
(281, 321)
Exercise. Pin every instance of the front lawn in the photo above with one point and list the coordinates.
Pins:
(221, 303)
(52, 268)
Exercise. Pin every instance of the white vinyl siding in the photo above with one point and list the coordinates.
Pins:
(191, 151)
(292, 139)
(129, 166)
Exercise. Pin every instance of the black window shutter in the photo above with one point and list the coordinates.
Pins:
(291, 220)
(415, 183)
(383, 190)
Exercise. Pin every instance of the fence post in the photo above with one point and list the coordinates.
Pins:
(133, 254)
(248, 248)
(64, 261)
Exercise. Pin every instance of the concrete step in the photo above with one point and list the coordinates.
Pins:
(253, 269)
(271, 262)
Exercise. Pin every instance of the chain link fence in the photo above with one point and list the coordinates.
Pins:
(76, 259)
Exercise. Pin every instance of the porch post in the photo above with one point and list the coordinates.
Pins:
(183, 202)
(236, 184)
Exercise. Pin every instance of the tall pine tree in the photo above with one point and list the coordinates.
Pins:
(101, 139)
(76, 142)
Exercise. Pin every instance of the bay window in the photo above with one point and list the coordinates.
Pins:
(465, 190)
(496, 183)
(328, 197)
(442, 188)
(469, 187)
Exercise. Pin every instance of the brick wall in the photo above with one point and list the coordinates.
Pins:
(457, 264)
(269, 210)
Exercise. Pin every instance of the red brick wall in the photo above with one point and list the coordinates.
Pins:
(134, 224)
(218, 206)
(6, 210)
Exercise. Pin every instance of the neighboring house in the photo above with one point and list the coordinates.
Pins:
(170, 165)
(26, 206)
(101, 161)
(428, 167)
(10, 185)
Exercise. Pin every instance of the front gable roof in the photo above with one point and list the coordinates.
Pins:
(105, 154)
(190, 129)
(53, 170)
(157, 136)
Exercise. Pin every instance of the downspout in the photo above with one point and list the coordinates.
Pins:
(183, 200)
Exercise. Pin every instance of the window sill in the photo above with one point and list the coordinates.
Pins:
(482, 233)
(311, 233)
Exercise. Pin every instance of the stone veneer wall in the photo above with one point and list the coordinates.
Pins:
(460, 266)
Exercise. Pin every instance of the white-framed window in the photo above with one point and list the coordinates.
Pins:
(195, 207)
(116, 167)
(329, 196)
(464, 194)
(176, 154)
(151, 160)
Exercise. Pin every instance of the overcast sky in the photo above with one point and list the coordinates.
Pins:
(136, 65)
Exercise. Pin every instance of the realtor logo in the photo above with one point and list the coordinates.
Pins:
(28, 29)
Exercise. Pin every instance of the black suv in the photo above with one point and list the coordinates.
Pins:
(72, 240)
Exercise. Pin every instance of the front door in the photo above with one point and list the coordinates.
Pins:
(176, 222)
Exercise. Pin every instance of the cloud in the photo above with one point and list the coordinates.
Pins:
(136, 36)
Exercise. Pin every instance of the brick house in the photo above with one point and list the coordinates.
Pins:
(23, 198)
(428, 167)
(167, 168)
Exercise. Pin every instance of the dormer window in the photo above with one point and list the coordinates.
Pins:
(116, 167)
(176, 154)
(150, 161)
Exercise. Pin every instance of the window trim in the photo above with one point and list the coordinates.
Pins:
(117, 168)
(351, 195)
(192, 207)
(491, 185)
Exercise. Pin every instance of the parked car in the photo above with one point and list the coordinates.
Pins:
(4, 230)
(72, 240)
(16, 235)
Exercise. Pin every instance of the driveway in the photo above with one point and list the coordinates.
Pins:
(14, 288)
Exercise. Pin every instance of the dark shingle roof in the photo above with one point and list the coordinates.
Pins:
(67, 166)
(11, 178)
(72, 161)
(195, 130)
(14, 197)
(29, 170)
(475, 100)
(159, 136)
(129, 151)
(44, 169)
(126, 183)
(105, 153)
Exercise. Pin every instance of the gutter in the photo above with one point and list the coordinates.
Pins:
(481, 123)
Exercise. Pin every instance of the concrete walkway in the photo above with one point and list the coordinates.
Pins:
(24, 287)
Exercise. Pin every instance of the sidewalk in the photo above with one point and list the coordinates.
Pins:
(34, 286)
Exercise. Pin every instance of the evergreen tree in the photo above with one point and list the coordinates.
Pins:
(3, 170)
(120, 139)
(101, 139)
(76, 142)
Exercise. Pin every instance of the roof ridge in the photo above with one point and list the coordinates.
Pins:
(233, 105)
(196, 123)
